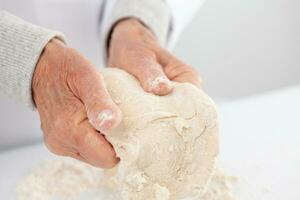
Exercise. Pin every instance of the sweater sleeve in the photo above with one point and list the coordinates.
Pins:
(155, 14)
(21, 44)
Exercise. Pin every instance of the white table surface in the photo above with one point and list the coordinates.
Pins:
(260, 141)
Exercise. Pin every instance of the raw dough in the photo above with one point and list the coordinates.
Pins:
(167, 144)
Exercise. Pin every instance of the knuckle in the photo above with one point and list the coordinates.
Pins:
(80, 140)
(52, 145)
(57, 147)
(107, 165)
(80, 73)
(79, 67)
(134, 49)
(59, 126)
(59, 131)
(192, 70)
(140, 52)
(194, 75)
(174, 70)
(63, 119)
(72, 51)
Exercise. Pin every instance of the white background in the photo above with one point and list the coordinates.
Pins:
(244, 47)
(241, 48)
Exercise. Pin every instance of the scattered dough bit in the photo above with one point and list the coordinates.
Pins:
(220, 187)
(62, 178)
(161, 193)
(68, 179)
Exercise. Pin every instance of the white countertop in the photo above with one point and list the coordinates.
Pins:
(260, 141)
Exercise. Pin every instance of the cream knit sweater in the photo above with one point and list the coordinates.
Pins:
(21, 42)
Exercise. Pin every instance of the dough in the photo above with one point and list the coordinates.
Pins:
(167, 144)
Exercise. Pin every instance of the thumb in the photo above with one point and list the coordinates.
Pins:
(89, 87)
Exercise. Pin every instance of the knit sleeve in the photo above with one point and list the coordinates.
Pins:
(21, 44)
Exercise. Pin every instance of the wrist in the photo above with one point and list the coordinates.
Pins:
(123, 23)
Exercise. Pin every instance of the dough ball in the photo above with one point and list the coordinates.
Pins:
(167, 144)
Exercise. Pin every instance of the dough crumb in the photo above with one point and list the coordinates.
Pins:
(220, 187)
(68, 179)
(161, 192)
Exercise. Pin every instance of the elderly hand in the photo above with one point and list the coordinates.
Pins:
(74, 106)
(135, 49)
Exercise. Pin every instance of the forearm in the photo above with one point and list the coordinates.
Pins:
(21, 44)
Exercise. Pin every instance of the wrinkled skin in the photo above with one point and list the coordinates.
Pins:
(135, 49)
(69, 94)
(73, 104)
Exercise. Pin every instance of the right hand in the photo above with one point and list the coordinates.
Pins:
(74, 106)
(135, 49)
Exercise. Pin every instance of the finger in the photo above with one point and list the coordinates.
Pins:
(93, 147)
(176, 70)
(63, 150)
(89, 86)
(77, 156)
(142, 64)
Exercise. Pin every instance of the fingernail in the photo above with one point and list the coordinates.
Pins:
(158, 81)
(104, 119)
(158, 84)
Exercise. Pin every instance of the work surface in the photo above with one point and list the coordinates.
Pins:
(260, 142)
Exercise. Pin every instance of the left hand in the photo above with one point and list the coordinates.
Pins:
(135, 49)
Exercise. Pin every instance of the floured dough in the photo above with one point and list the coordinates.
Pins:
(167, 144)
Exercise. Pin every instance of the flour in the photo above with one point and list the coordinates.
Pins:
(59, 179)
(68, 179)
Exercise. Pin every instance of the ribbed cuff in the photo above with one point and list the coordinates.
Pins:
(21, 44)
(155, 14)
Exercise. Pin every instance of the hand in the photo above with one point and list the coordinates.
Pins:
(74, 106)
(135, 49)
